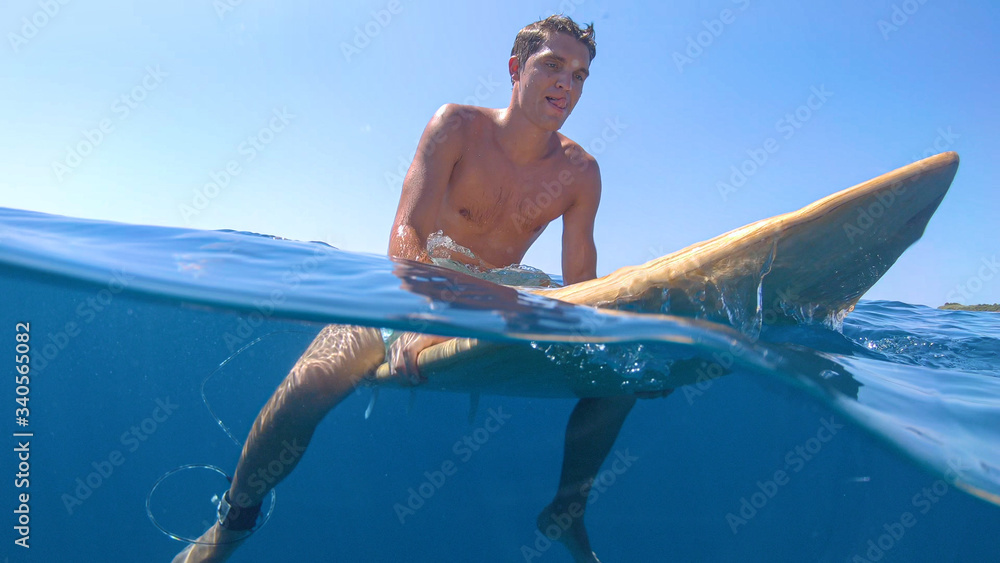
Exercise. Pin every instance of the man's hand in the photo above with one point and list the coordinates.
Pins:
(404, 351)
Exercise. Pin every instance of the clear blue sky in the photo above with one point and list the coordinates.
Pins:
(180, 86)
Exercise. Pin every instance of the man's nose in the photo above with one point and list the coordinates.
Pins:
(565, 81)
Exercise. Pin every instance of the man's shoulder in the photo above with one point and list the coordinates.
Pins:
(464, 117)
(581, 163)
(452, 126)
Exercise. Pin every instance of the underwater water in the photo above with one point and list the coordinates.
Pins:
(877, 439)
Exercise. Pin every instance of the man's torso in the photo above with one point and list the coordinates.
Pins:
(497, 208)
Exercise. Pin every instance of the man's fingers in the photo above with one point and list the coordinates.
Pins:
(397, 364)
(412, 370)
(403, 359)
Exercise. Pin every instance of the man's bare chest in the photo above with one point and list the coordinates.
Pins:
(491, 198)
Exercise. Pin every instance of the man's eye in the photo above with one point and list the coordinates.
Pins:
(579, 77)
(551, 65)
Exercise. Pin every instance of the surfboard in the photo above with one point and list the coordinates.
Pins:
(809, 265)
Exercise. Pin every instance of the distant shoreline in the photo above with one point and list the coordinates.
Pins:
(994, 308)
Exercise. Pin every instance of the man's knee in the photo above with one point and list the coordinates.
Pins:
(338, 359)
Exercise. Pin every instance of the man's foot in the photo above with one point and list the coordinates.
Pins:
(215, 545)
(565, 525)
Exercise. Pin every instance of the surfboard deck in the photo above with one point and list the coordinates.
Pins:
(813, 264)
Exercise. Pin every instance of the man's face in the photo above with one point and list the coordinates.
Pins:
(551, 81)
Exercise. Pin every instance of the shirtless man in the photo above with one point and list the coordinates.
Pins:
(480, 177)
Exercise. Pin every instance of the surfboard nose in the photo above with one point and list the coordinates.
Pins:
(860, 232)
(950, 158)
(905, 197)
(938, 172)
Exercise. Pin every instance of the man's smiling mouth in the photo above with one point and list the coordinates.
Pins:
(558, 102)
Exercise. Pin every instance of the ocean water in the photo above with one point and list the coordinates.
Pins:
(872, 439)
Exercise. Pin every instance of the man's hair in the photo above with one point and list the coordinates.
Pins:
(529, 40)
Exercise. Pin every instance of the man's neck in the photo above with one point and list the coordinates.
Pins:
(521, 140)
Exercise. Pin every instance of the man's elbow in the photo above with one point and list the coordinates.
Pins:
(406, 242)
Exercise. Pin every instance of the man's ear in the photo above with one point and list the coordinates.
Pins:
(515, 69)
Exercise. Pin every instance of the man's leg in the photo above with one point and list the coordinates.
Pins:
(327, 372)
(592, 430)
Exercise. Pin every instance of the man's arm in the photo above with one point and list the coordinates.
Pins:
(439, 149)
(579, 254)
